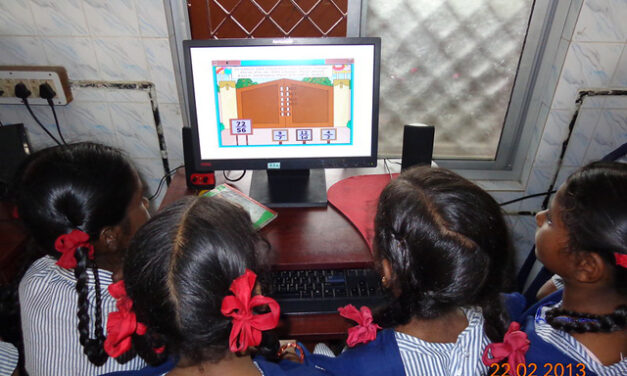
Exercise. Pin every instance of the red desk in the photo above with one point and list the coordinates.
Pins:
(305, 238)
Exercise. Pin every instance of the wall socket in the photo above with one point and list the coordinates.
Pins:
(32, 77)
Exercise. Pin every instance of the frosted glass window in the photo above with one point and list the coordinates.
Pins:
(450, 64)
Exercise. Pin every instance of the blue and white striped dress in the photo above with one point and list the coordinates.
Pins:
(568, 345)
(462, 358)
(8, 358)
(48, 303)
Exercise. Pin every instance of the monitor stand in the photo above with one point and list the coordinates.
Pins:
(289, 188)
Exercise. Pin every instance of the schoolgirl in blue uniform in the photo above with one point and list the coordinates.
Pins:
(583, 238)
(192, 296)
(443, 250)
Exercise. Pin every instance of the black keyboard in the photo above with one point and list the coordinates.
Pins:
(324, 290)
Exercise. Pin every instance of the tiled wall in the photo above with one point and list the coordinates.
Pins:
(595, 48)
(96, 40)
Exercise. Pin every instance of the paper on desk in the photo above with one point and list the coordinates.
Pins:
(260, 214)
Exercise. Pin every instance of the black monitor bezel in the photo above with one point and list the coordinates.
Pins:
(285, 163)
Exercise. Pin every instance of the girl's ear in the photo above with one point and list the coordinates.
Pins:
(110, 237)
(589, 268)
(388, 274)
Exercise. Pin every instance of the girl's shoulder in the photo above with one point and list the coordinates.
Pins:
(43, 273)
(378, 357)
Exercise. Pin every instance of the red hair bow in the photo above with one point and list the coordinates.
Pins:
(247, 327)
(365, 331)
(621, 260)
(513, 348)
(67, 244)
(122, 324)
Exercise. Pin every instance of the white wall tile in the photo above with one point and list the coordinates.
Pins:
(122, 59)
(111, 17)
(159, 60)
(540, 179)
(523, 238)
(587, 65)
(580, 138)
(620, 76)
(141, 96)
(555, 133)
(16, 18)
(77, 55)
(21, 51)
(152, 21)
(88, 94)
(616, 101)
(136, 131)
(60, 17)
(90, 121)
(151, 170)
(172, 122)
(602, 20)
(610, 133)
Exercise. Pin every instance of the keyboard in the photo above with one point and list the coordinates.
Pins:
(324, 290)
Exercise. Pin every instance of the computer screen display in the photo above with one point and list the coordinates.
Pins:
(283, 103)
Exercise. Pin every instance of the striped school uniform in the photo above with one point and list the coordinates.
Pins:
(393, 353)
(455, 359)
(48, 304)
(8, 358)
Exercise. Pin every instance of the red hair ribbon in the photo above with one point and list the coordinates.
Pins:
(365, 331)
(67, 244)
(513, 348)
(122, 324)
(247, 327)
(621, 260)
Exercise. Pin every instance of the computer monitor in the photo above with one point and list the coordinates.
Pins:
(286, 107)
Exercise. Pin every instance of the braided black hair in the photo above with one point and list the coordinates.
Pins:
(448, 245)
(178, 270)
(593, 206)
(68, 187)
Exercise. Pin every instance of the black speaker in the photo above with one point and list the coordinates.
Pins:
(14, 148)
(417, 145)
(195, 179)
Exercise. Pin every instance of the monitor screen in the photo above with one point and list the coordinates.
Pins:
(283, 104)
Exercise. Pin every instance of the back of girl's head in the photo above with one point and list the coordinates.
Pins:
(593, 204)
(448, 246)
(82, 186)
(179, 268)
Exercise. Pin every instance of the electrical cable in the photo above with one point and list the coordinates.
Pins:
(158, 190)
(56, 121)
(38, 122)
(526, 197)
(233, 180)
(387, 168)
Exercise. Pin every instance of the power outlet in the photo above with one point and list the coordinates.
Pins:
(32, 77)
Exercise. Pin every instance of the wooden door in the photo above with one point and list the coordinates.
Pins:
(286, 103)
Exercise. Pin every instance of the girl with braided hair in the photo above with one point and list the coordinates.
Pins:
(582, 237)
(191, 294)
(81, 204)
(443, 250)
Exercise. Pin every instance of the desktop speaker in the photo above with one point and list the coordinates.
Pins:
(417, 145)
(195, 179)
(14, 148)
